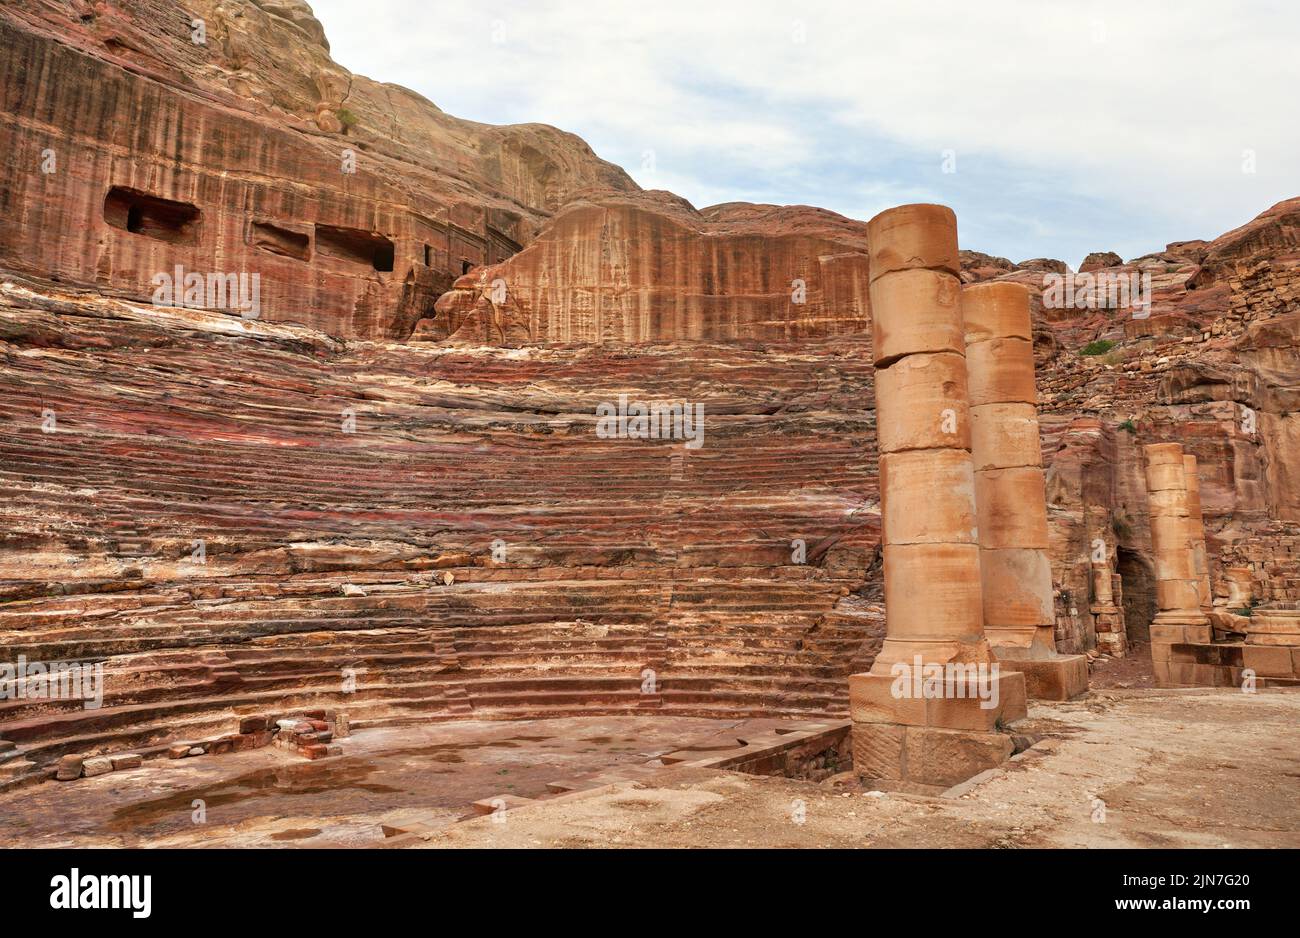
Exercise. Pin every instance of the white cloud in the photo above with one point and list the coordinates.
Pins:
(1116, 124)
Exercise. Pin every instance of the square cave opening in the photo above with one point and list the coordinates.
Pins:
(144, 214)
(355, 246)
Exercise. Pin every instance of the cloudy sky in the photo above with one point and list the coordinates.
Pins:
(1053, 129)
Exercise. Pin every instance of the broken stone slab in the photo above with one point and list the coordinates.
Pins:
(179, 751)
(351, 589)
(98, 765)
(314, 751)
(69, 768)
(127, 760)
(196, 751)
(500, 803)
(342, 728)
(222, 745)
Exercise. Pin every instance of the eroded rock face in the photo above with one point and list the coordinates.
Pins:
(649, 268)
(130, 147)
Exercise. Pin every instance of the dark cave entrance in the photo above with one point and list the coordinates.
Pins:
(1139, 586)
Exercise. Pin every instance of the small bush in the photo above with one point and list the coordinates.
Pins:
(1129, 425)
(347, 118)
(1099, 347)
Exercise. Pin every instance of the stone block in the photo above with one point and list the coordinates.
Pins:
(1017, 589)
(918, 406)
(69, 768)
(1168, 634)
(996, 310)
(878, 750)
(871, 700)
(1058, 678)
(966, 710)
(127, 760)
(500, 802)
(1269, 660)
(920, 238)
(932, 591)
(930, 497)
(886, 699)
(1000, 495)
(949, 757)
(1001, 372)
(1005, 436)
(98, 765)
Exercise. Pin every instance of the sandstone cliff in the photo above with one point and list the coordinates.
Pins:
(651, 268)
(130, 146)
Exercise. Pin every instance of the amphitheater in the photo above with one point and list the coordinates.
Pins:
(358, 568)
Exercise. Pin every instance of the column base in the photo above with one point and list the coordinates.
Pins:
(1059, 677)
(913, 731)
(924, 759)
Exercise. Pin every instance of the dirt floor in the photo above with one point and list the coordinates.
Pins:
(1133, 670)
(387, 775)
(1118, 768)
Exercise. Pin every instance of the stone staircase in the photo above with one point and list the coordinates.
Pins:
(473, 550)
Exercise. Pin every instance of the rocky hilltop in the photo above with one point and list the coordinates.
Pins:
(131, 146)
(393, 467)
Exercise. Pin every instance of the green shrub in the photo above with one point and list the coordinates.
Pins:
(1129, 425)
(1099, 347)
(347, 118)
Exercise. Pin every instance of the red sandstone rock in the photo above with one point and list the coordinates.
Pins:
(639, 268)
(1100, 260)
(240, 128)
(69, 768)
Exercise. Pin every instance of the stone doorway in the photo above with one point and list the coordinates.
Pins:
(1139, 586)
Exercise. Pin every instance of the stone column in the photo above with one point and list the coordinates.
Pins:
(904, 734)
(1196, 531)
(1178, 585)
(1107, 614)
(1010, 494)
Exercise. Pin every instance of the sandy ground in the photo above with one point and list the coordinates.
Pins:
(1208, 769)
(387, 775)
(1118, 768)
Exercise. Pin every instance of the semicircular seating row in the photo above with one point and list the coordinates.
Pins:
(472, 549)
